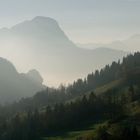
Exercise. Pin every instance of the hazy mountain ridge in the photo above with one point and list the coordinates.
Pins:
(40, 43)
(14, 85)
(118, 44)
(111, 77)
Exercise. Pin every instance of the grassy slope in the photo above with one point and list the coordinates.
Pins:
(102, 89)
(72, 135)
(91, 131)
(109, 86)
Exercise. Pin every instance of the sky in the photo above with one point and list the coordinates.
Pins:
(84, 21)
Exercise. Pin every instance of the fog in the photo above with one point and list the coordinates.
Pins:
(41, 44)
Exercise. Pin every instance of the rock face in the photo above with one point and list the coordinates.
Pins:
(40, 43)
(35, 76)
(14, 85)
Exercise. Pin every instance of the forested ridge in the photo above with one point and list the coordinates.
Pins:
(77, 105)
(127, 71)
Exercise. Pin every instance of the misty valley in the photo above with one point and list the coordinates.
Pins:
(105, 105)
(70, 70)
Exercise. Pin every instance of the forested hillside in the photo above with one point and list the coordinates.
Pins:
(116, 75)
(52, 112)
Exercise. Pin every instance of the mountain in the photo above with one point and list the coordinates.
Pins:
(14, 85)
(125, 45)
(40, 43)
(35, 76)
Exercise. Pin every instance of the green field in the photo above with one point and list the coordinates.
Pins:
(71, 135)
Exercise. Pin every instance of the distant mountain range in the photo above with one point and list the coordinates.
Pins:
(14, 85)
(131, 44)
(40, 43)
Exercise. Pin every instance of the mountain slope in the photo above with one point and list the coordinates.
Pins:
(40, 43)
(114, 114)
(14, 85)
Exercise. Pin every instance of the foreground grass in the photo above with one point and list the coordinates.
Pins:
(73, 135)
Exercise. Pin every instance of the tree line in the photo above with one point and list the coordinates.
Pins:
(53, 110)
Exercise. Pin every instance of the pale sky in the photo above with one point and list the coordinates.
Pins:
(84, 21)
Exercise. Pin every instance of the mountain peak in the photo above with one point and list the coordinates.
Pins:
(6, 67)
(36, 23)
(35, 75)
(39, 28)
(39, 18)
